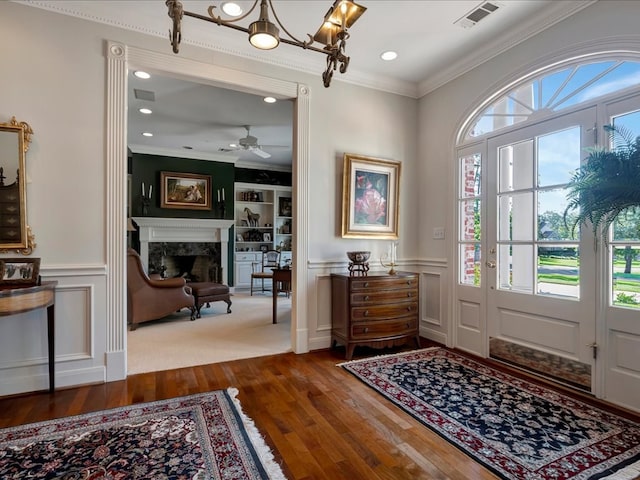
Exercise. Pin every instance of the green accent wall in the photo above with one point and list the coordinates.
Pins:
(146, 169)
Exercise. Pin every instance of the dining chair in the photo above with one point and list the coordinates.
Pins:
(263, 270)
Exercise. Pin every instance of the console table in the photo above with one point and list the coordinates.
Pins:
(376, 311)
(16, 299)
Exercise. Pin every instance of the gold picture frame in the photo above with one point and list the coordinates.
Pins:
(187, 191)
(19, 271)
(370, 197)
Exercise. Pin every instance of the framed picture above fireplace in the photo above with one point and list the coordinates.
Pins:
(185, 190)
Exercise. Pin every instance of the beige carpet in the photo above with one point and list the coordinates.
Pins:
(176, 341)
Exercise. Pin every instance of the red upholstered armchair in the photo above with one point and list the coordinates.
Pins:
(151, 299)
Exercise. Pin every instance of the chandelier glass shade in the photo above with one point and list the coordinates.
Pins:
(265, 35)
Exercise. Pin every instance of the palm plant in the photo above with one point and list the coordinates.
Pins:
(607, 184)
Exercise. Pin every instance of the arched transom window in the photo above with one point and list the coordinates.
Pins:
(554, 91)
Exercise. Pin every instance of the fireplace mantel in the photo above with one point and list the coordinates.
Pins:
(154, 229)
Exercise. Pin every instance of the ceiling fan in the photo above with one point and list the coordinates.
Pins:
(249, 143)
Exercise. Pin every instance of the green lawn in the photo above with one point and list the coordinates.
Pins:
(558, 278)
(558, 261)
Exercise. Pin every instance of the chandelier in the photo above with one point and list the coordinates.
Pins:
(265, 35)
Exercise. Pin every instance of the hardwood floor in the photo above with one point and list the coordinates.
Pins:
(320, 421)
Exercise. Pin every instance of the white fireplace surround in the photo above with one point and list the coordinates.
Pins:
(153, 229)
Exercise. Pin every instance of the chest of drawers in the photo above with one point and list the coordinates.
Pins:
(375, 311)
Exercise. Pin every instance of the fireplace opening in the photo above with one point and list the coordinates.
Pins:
(193, 261)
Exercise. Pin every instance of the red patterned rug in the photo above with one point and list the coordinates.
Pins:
(203, 436)
(516, 428)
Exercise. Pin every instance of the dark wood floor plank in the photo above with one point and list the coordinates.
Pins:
(319, 420)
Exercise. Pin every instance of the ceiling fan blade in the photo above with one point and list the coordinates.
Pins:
(260, 153)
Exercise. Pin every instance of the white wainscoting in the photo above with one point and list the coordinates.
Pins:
(79, 334)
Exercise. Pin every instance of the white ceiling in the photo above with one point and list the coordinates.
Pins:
(432, 50)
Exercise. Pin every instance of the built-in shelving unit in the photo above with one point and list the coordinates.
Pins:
(263, 221)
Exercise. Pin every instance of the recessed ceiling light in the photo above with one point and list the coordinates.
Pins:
(233, 145)
(146, 111)
(389, 55)
(232, 9)
(269, 99)
(147, 134)
(141, 74)
(187, 147)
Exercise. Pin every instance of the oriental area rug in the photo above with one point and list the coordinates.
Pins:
(517, 429)
(202, 436)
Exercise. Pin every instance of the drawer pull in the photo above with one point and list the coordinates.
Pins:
(409, 282)
(408, 309)
(366, 329)
(366, 284)
(366, 313)
(408, 325)
(366, 298)
(409, 294)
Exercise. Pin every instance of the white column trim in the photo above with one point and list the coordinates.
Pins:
(116, 212)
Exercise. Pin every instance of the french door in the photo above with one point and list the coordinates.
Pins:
(529, 290)
(540, 275)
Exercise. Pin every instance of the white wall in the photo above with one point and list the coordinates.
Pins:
(55, 78)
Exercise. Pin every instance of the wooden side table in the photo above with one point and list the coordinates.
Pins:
(280, 276)
(15, 299)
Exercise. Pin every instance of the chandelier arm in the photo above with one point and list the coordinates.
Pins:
(221, 21)
(303, 45)
(175, 13)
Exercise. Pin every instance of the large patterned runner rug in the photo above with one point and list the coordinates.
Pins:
(203, 436)
(516, 428)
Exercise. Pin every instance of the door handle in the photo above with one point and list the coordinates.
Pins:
(491, 264)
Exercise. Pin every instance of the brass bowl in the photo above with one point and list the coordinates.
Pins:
(359, 257)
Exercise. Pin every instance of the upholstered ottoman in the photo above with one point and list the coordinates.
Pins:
(206, 292)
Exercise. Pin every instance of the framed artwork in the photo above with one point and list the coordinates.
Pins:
(284, 206)
(266, 237)
(23, 271)
(185, 190)
(370, 193)
(239, 237)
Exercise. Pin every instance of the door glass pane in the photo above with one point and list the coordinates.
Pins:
(627, 226)
(625, 248)
(470, 176)
(515, 268)
(558, 156)
(559, 270)
(470, 220)
(515, 217)
(551, 225)
(626, 276)
(470, 264)
(516, 166)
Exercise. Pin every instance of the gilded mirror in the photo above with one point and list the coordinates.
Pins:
(15, 234)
